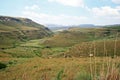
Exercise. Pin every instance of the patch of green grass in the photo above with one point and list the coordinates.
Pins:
(59, 75)
(32, 43)
(83, 75)
(22, 52)
(34, 48)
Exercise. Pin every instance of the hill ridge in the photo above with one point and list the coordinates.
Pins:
(14, 29)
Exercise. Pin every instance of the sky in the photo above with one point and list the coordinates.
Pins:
(64, 12)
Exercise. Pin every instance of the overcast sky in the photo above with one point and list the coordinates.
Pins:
(64, 12)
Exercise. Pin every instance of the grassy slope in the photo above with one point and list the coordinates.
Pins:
(66, 39)
(14, 30)
(113, 27)
(77, 35)
(36, 68)
(106, 41)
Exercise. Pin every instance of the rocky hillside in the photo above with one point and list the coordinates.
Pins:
(14, 30)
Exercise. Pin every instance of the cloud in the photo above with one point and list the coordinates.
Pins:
(33, 7)
(116, 1)
(54, 19)
(106, 11)
(105, 15)
(97, 15)
(73, 3)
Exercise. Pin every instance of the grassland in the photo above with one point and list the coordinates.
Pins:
(101, 47)
(74, 36)
(51, 65)
(64, 56)
(51, 69)
(14, 30)
(33, 48)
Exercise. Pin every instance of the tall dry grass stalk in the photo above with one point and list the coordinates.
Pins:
(95, 73)
(109, 69)
(90, 54)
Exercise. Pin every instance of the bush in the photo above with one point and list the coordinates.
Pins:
(2, 65)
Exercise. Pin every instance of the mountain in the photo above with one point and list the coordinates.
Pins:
(87, 25)
(15, 29)
(55, 27)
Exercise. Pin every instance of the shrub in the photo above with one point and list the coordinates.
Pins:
(2, 65)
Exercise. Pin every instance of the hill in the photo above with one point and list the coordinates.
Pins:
(15, 29)
(117, 26)
(75, 35)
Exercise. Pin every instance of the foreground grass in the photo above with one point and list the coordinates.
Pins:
(50, 69)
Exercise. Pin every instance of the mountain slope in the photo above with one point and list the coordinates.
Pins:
(75, 35)
(14, 29)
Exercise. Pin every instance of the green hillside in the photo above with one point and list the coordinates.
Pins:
(14, 30)
(117, 27)
(74, 35)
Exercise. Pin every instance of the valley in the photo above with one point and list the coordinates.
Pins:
(30, 51)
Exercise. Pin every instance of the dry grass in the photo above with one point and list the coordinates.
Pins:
(103, 65)
(37, 68)
(48, 69)
(109, 69)
(83, 49)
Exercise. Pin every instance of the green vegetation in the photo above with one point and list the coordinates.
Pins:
(2, 65)
(33, 48)
(59, 75)
(66, 39)
(29, 52)
(14, 30)
(74, 36)
(84, 75)
(50, 69)
(117, 27)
